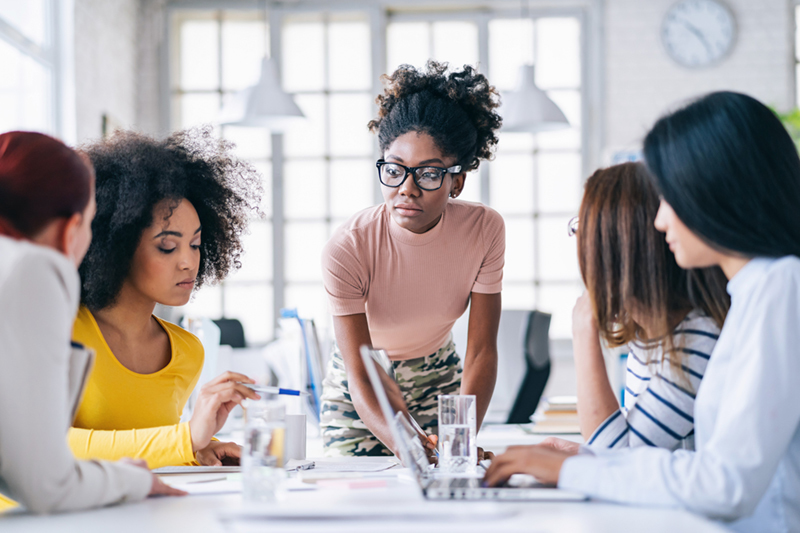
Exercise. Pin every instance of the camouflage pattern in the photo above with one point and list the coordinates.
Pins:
(421, 381)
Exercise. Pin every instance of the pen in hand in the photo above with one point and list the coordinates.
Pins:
(274, 390)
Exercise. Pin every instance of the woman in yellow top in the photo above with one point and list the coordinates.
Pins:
(170, 215)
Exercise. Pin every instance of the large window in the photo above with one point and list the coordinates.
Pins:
(330, 62)
(29, 59)
(535, 180)
(329, 170)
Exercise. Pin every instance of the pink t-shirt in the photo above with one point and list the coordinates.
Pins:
(413, 287)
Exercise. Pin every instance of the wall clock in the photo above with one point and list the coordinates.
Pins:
(698, 33)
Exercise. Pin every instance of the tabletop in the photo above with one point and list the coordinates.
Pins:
(397, 505)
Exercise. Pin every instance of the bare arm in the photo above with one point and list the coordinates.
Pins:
(352, 331)
(596, 399)
(480, 361)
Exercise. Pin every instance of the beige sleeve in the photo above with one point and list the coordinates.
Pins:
(490, 276)
(36, 464)
(344, 275)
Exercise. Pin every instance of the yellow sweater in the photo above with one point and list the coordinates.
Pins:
(125, 414)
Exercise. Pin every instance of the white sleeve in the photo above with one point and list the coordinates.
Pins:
(35, 462)
(758, 415)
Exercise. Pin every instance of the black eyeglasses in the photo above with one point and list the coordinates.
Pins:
(427, 178)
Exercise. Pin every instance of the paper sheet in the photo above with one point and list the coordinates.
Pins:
(210, 487)
(333, 465)
(197, 470)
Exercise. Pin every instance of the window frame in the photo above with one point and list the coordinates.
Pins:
(56, 55)
(380, 15)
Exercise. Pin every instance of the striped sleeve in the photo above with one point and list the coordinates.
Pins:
(660, 402)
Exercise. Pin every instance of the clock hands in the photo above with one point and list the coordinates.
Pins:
(699, 34)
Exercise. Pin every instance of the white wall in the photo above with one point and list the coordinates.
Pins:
(105, 64)
(642, 82)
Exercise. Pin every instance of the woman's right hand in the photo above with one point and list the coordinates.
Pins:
(583, 320)
(214, 403)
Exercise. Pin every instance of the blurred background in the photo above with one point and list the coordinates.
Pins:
(79, 69)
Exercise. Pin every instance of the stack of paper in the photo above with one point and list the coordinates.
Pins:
(557, 414)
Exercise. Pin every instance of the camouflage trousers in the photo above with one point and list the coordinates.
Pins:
(421, 381)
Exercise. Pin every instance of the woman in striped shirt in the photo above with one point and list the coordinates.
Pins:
(636, 295)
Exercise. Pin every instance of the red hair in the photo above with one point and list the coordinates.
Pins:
(41, 179)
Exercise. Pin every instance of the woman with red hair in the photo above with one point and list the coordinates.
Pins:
(46, 209)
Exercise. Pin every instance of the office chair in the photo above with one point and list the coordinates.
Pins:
(231, 332)
(537, 361)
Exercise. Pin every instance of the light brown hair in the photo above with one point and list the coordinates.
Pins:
(626, 264)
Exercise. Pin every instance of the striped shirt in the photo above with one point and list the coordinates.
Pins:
(658, 406)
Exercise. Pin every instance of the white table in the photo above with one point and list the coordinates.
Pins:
(202, 512)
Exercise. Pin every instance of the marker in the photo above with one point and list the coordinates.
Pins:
(274, 390)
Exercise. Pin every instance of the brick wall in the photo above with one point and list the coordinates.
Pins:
(642, 82)
(105, 64)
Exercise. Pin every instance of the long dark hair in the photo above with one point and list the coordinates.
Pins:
(626, 264)
(731, 172)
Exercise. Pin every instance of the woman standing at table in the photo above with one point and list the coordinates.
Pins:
(729, 176)
(46, 210)
(170, 216)
(398, 275)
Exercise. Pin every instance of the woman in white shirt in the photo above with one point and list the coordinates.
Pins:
(46, 209)
(729, 176)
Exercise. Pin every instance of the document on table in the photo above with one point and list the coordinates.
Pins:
(224, 486)
(354, 465)
(197, 470)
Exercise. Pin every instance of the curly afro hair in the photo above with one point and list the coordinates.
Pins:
(134, 173)
(457, 109)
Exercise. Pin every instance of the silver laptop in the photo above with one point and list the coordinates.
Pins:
(453, 487)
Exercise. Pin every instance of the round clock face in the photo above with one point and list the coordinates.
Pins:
(698, 33)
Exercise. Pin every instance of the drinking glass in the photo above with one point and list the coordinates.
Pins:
(457, 434)
(262, 460)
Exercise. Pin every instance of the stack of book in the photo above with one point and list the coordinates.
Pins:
(556, 415)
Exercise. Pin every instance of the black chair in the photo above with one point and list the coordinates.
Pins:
(231, 332)
(537, 360)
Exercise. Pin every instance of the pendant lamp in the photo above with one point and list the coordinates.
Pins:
(265, 104)
(529, 109)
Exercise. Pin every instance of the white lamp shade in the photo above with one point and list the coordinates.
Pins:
(265, 104)
(529, 109)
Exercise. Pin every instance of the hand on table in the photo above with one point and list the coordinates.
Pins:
(216, 400)
(219, 454)
(542, 462)
(158, 487)
(561, 445)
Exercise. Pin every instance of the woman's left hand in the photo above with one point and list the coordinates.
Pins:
(218, 454)
(541, 462)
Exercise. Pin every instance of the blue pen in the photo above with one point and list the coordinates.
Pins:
(274, 390)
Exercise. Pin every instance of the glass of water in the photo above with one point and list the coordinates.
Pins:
(262, 460)
(457, 434)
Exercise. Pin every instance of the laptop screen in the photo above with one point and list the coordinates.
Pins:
(409, 448)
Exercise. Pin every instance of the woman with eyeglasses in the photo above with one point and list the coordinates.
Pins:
(729, 178)
(637, 296)
(400, 274)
